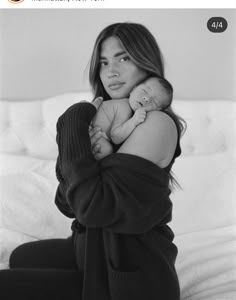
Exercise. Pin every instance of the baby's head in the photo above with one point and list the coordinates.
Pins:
(154, 92)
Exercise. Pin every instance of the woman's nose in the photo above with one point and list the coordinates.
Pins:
(113, 71)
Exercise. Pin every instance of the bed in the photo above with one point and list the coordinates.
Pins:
(204, 210)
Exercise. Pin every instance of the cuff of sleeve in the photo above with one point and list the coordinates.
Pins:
(85, 111)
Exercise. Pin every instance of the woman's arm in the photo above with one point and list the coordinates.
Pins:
(154, 140)
(112, 192)
(60, 197)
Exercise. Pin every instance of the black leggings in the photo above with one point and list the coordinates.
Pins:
(42, 270)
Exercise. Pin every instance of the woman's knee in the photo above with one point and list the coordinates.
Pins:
(52, 253)
(17, 256)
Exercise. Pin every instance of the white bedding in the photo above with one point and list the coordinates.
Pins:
(204, 212)
(206, 264)
(27, 209)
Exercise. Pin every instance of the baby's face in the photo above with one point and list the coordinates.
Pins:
(148, 94)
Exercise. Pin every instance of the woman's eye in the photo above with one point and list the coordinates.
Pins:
(125, 58)
(103, 63)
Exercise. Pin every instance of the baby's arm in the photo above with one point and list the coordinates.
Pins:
(124, 125)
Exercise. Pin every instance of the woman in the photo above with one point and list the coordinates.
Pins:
(121, 247)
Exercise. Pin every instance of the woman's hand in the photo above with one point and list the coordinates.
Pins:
(97, 102)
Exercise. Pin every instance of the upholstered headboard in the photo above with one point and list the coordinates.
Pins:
(29, 128)
(206, 170)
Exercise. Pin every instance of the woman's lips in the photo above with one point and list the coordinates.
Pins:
(115, 86)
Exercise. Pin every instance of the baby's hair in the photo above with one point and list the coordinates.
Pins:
(168, 88)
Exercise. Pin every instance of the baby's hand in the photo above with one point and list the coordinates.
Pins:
(102, 149)
(139, 116)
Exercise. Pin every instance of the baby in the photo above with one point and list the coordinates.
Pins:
(118, 118)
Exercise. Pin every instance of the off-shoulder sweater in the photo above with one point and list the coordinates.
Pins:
(121, 206)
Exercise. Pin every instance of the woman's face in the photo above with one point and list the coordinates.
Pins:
(118, 73)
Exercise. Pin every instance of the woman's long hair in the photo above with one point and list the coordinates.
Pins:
(144, 51)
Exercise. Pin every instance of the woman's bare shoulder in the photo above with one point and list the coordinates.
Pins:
(162, 121)
(155, 139)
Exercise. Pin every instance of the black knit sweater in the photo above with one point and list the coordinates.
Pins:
(121, 207)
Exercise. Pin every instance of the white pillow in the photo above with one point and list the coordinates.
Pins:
(207, 199)
(10, 163)
(27, 189)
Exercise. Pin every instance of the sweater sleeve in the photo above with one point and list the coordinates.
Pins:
(60, 197)
(70, 151)
(104, 193)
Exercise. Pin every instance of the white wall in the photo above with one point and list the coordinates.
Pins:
(45, 52)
